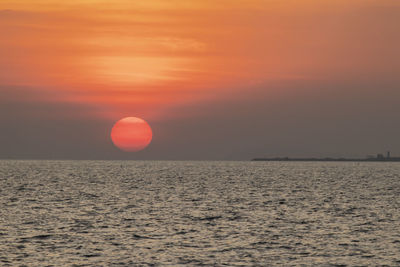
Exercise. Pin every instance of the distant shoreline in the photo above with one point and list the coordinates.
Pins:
(330, 159)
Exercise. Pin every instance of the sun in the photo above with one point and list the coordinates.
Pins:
(131, 134)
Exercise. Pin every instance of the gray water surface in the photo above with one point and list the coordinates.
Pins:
(129, 213)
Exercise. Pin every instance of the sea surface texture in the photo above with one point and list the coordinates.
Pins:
(130, 213)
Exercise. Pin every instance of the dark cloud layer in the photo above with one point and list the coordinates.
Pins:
(309, 119)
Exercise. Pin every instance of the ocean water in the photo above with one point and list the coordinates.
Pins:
(130, 213)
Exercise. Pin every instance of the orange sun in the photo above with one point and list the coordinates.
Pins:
(131, 134)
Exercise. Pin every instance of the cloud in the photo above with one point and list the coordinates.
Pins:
(226, 80)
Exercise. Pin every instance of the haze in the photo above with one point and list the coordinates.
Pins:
(216, 80)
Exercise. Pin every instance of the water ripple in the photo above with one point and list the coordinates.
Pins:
(110, 213)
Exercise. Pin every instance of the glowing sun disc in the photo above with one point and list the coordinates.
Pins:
(131, 134)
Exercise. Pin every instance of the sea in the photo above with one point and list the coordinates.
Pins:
(166, 213)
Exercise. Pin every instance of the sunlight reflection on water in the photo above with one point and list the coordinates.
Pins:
(128, 213)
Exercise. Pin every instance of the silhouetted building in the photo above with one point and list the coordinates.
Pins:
(369, 158)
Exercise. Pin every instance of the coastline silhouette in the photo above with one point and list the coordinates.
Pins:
(377, 158)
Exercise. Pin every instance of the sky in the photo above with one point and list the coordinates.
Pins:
(215, 79)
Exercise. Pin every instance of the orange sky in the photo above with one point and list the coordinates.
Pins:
(145, 58)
